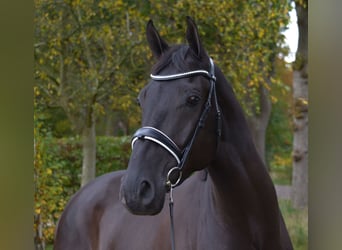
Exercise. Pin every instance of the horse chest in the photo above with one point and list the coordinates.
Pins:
(217, 235)
(200, 228)
(209, 235)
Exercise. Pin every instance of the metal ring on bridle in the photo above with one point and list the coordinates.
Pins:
(168, 181)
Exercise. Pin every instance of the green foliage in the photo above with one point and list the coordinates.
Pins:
(279, 134)
(83, 49)
(279, 139)
(93, 56)
(297, 224)
(58, 168)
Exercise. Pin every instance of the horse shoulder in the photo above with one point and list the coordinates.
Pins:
(78, 226)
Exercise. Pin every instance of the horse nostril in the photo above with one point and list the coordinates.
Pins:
(145, 186)
(146, 191)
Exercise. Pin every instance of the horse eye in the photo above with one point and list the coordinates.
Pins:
(193, 100)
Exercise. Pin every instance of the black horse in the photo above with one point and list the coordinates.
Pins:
(195, 143)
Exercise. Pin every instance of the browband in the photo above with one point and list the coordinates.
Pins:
(183, 75)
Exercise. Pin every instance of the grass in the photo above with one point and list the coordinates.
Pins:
(282, 175)
(281, 168)
(296, 219)
(297, 224)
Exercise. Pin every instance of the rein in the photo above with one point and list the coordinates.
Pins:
(160, 138)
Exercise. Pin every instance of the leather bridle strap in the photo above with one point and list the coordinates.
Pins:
(182, 75)
(159, 137)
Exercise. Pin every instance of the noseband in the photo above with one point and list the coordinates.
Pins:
(160, 138)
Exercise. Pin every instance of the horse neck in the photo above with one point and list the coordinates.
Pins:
(239, 178)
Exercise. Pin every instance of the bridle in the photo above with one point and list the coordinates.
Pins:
(160, 138)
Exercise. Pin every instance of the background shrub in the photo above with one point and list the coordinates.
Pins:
(58, 171)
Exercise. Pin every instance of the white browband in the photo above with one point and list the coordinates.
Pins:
(180, 75)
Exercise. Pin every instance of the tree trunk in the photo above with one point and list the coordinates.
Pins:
(300, 97)
(89, 153)
(109, 130)
(258, 123)
(39, 240)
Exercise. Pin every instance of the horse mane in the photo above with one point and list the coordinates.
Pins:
(180, 57)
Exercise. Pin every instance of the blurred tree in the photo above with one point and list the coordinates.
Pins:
(300, 118)
(80, 47)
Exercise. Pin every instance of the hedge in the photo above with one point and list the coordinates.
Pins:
(58, 164)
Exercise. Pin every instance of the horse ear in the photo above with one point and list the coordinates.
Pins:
(156, 43)
(193, 38)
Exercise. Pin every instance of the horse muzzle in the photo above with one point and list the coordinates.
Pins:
(141, 197)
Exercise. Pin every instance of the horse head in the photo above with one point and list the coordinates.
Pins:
(178, 122)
